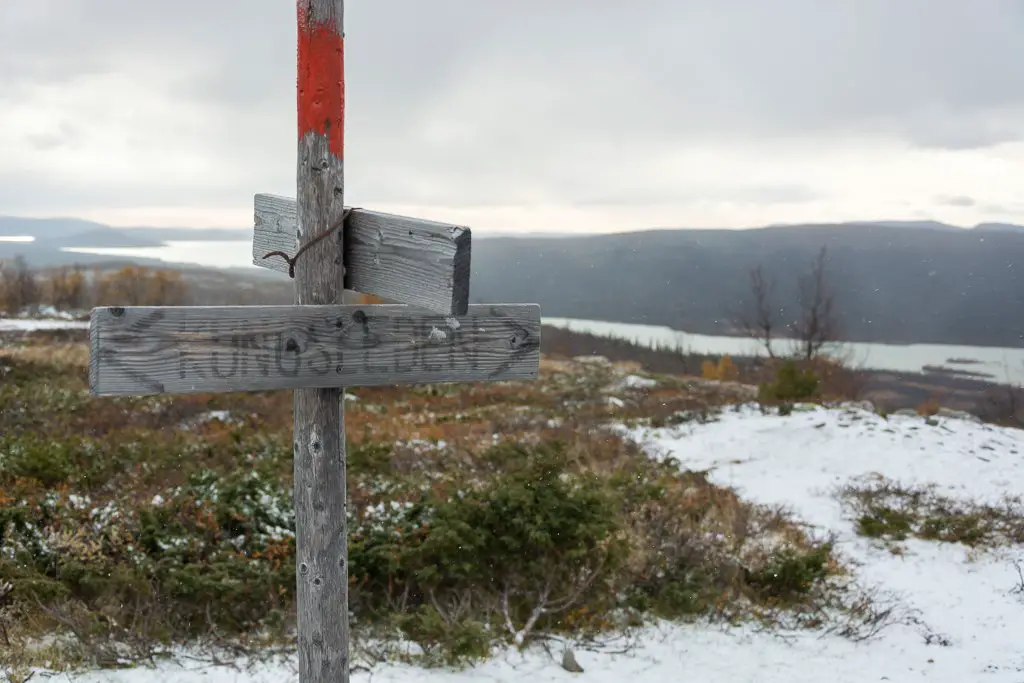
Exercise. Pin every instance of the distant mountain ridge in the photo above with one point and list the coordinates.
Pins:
(75, 232)
(893, 284)
(896, 281)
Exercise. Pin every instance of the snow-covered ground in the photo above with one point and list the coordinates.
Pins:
(31, 325)
(964, 601)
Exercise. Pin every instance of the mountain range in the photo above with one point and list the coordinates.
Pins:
(895, 281)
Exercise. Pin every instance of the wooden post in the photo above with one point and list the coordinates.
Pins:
(321, 536)
(319, 345)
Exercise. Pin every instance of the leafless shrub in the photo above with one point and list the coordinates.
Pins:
(545, 601)
(1018, 588)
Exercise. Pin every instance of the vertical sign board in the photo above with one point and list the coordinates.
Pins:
(321, 344)
(395, 258)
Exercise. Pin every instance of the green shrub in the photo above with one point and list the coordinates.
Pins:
(446, 641)
(685, 589)
(533, 524)
(791, 574)
(549, 538)
(49, 463)
(882, 522)
(534, 535)
(891, 511)
(789, 384)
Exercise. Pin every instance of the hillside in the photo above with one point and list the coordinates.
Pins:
(896, 281)
(729, 542)
(893, 283)
(54, 234)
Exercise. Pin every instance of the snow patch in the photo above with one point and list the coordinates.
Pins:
(798, 461)
(29, 325)
(637, 382)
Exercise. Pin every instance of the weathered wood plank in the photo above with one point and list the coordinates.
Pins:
(319, 464)
(406, 260)
(190, 349)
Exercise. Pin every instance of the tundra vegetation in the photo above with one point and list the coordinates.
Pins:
(481, 516)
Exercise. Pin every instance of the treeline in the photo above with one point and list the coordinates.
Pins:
(75, 288)
(79, 288)
(561, 343)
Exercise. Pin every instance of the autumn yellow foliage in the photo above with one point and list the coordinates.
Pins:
(137, 286)
(724, 370)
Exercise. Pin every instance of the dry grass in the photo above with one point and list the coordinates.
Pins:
(67, 460)
(63, 356)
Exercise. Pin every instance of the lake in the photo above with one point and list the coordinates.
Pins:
(1002, 364)
(210, 254)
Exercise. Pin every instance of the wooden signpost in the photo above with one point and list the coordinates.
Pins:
(320, 345)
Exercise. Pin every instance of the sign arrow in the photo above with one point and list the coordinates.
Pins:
(521, 341)
(131, 335)
(193, 349)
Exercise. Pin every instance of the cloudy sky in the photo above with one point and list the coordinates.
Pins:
(532, 115)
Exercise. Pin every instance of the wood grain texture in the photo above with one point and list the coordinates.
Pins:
(191, 349)
(321, 534)
(404, 260)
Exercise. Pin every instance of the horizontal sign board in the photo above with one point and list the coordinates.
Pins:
(192, 349)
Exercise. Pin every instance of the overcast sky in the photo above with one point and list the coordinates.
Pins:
(532, 115)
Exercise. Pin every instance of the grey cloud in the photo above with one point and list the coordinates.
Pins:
(1015, 209)
(687, 67)
(752, 194)
(65, 135)
(956, 201)
(985, 207)
(34, 193)
(497, 102)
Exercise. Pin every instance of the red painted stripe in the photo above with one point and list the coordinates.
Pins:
(321, 71)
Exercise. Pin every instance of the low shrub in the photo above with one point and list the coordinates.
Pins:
(790, 383)
(531, 543)
(478, 516)
(893, 512)
(521, 543)
(790, 575)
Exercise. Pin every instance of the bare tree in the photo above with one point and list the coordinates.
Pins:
(65, 288)
(818, 324)
(758, 318)
(18, 287)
